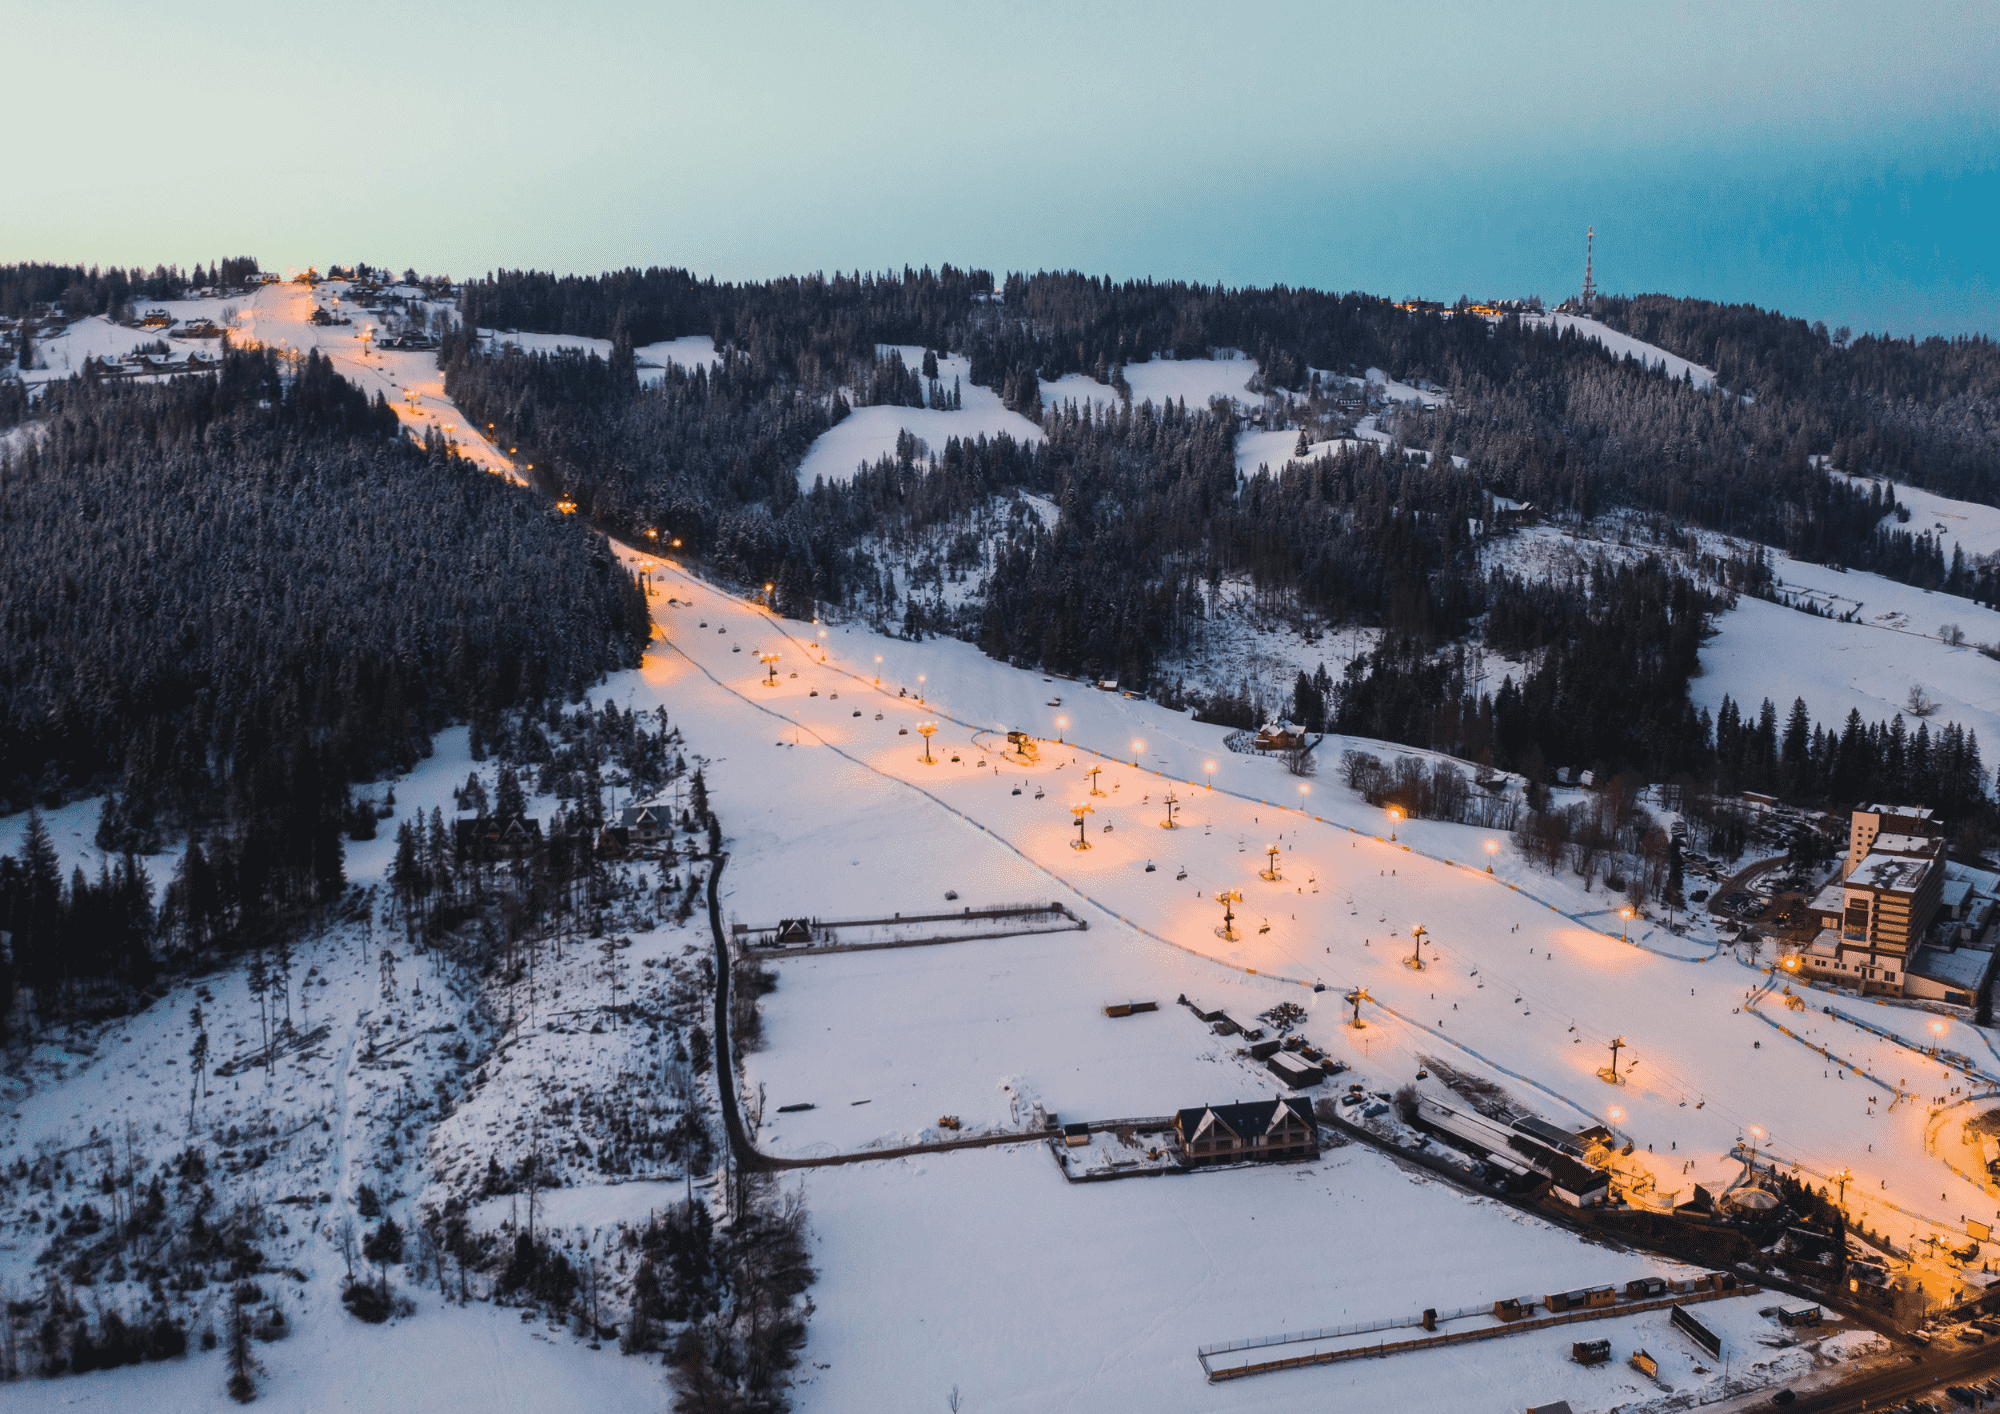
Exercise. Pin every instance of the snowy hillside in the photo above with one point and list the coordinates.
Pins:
(867, 434)
(1651, 355)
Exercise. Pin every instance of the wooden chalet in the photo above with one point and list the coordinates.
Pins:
(1282, 1128)
(490, 836)
(1280, 736)
(646, 824)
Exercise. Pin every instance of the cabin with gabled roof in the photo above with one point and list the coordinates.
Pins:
(1281, 1128)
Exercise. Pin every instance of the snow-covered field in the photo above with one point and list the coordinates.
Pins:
(1894, 643)
(1969, 525)
(1160, 380)
(868, 434)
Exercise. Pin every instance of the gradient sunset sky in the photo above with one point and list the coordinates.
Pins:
(1838, 161)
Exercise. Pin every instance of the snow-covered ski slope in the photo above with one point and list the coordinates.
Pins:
(1651, 355)
(834, 814)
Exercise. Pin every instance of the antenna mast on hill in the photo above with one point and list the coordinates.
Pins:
(1588, 296)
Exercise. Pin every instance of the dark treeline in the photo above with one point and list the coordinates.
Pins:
(81, 291)
(1611, 653)
(1804, 760)
(1926, 412)
(230, 597)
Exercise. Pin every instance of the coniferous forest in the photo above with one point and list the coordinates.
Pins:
(231, 597)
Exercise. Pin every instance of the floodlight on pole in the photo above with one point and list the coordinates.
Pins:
(1394, 816)
(1082, 841)
(1209, 766)
(925, 730)
(1304, 791)
(1624, 918)
(1492, 848)
(1137, 747)
(1270, 870)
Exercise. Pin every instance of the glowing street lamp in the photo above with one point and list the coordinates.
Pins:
(925, 730)
(1304, 791)
(651, 533)
(770, 662)
(1757, 1137)
(1137, 747)
(1624, 930)
(1394, 815)
(1937, 1036)
(1209, 766)
(1492, 848)
(1081, 841)
(878, 665)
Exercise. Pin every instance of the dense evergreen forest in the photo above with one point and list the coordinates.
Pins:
(231, 596)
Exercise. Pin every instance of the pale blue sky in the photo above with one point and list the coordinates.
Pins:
(1838, 161)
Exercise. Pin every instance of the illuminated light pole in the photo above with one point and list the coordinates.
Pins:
(1137, 747)
(1081, 841)
(1937, 1036)
(1209, 766)
(1228, 897)
(1062, 724)
(1757, 1136)
(1394, 816)
(1624, 919)
(1417, 936)
(770, 662)
(925, 729)
(1091, 776)
(1304, 791)
(1168, 823)
(1610, 1075)
(767, 595)
(878, 670)
(1354, 999)
(1492, 848)
(1270, 871)
(822, 645)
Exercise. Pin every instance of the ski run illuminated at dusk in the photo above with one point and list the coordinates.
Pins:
(776, 829)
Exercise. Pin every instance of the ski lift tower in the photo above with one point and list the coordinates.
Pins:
(1086, 808)
(1227, 932)
(1270, 871)
(1354, 999)
(1588, 295)
(1093, 773)
(1168, 823)
(770, 662)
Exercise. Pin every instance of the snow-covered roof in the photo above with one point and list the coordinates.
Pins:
(1955, 967)
(1903, 844)
(1910, 812)
(1830, 899)
(1899, 872)
(1956, 891)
